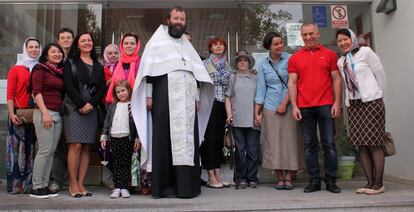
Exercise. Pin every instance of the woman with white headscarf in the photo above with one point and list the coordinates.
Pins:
(365, 83)
(21, 136)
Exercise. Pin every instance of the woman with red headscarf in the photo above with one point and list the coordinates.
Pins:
(128, 63)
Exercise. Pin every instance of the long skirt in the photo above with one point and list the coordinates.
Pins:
(281, 142)
(20, 155)
(366, 122)
(212, 147)
(169, 180)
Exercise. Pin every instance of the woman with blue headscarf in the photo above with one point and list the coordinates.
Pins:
(365, 83)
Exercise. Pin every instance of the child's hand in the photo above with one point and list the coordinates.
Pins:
(137, 144)
(103, 144)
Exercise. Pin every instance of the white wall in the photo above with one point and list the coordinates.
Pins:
(394, 43)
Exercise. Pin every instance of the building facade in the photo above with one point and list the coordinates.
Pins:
(242, 24)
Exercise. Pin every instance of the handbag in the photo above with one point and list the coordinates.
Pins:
(25, 115)
(229, 145)
(388, 147)
(105, 155)
(135, 169)
(228, 138)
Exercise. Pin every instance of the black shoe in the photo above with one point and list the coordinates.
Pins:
(241, 185)
(203, 182)
(253, 184)
(40, 193)
(312, 187)
(51, 193)
(332, 187)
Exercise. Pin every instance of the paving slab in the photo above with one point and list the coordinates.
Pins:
(398, 197)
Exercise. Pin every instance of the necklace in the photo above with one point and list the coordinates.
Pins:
(182, 51)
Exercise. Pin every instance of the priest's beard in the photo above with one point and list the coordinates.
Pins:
(176, 31)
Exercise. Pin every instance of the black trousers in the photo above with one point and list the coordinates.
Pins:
(122, 149)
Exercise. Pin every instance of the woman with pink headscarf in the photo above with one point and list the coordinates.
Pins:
(111, 57)
(128, 63)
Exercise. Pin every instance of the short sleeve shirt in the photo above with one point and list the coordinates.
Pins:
(313, 68)
(242, 95)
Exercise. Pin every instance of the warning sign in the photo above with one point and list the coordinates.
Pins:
(339, 15)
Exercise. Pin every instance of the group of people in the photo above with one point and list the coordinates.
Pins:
(172, 108)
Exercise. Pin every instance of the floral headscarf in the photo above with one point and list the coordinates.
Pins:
(106, 56)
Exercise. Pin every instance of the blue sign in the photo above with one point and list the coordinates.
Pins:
(319, 16)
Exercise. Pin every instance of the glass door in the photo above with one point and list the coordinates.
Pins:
(286, 18)
(205, 20)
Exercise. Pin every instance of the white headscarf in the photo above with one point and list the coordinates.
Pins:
(24, 59)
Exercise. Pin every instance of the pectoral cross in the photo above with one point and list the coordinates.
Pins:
(183, 59)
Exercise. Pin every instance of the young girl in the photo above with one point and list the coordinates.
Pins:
(120, 133)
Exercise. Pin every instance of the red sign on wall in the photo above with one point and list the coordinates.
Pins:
(339, 16)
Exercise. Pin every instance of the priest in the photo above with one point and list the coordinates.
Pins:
(171, 103)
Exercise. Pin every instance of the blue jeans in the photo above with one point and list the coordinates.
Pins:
(246, 155)
(321, 116)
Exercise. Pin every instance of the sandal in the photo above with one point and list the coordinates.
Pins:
(215, 185)
(86, 193)
(287, 186)
(225, 184)
(280, 185)
(75, 194)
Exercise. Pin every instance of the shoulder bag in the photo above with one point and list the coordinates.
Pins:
(388, 147)
(68, 106)
(25, 115)
(278, 75)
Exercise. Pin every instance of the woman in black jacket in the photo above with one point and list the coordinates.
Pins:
(85, 87)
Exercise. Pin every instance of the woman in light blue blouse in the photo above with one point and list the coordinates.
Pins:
(280, 145)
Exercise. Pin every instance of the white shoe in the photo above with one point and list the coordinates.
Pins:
(125, 193)
(116, 193)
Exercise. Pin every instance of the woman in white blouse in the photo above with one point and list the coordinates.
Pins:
(365, 82)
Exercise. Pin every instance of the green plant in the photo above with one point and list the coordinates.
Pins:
(343, 147)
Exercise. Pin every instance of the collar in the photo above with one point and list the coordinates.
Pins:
(249, 75)
(318, 47)
(282, 57)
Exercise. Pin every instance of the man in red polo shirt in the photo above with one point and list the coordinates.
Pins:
(315, 95)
